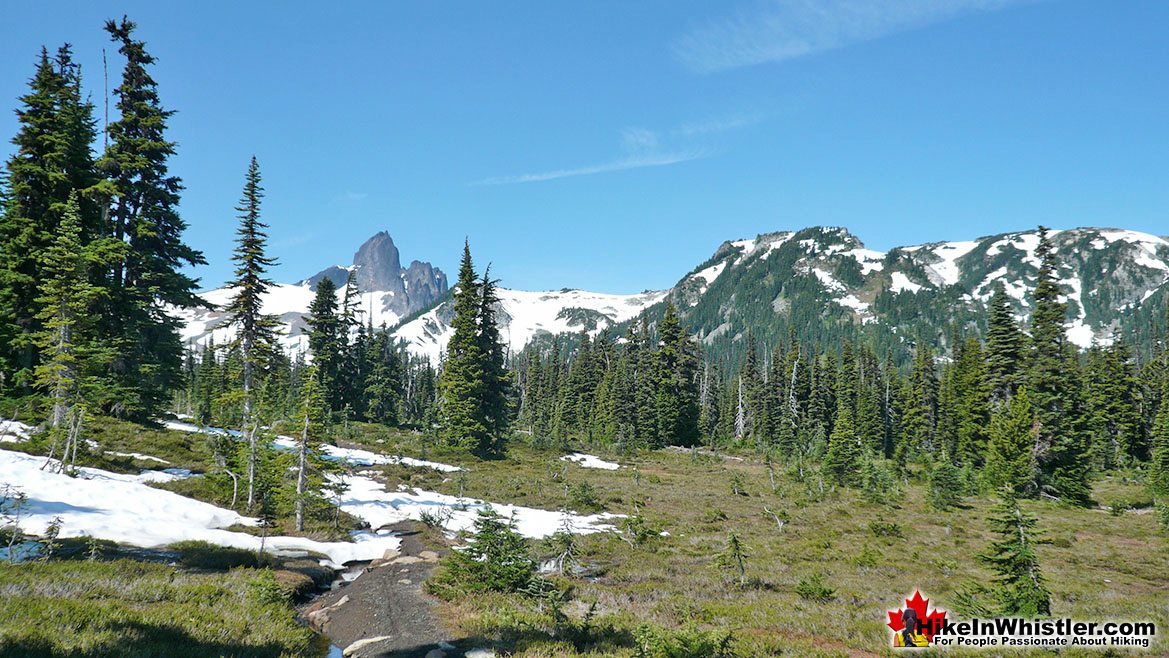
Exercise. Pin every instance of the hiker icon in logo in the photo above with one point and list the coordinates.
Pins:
(911, 635)
(915, 624)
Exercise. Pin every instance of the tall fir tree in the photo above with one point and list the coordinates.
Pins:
(326, 341)
(1159, 465)
(65, 340)
(461, 382)
(52, 161)
(494, 404)
(142, 200)
(1010, 460)
(1006, 348)
(677, 394)
(1063, 469)
(843, 459)
(256, 332)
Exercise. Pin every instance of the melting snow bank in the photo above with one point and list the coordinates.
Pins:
(589, 461)
(123, 508)
(12, 431)
(359, 457)
(368, 499)
(354, 456)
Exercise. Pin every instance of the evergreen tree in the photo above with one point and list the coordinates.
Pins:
(733, 558)
(945, 484)
(1005, 348)
(143, 198)
(971, 399)
(495, 560)
(66, 296)
(1112, 397)
(461, 384)
(325, 340)
(920, 417)
(494, 406)
(52, 161)
(1051, 381)
(842, 461)
(383, 390)
(1159, 466)
(1010, 462)
(255, 331)
(677, 394)
(1020, 586)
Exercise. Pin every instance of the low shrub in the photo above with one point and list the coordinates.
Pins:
(815, 589)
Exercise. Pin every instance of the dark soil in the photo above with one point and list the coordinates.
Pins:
(385, 601)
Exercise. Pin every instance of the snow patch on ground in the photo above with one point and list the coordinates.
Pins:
(124, 509)
(12, 431)
(137, 455)
(590, 461)
(359, 457)
(188, 427)
(368, 499)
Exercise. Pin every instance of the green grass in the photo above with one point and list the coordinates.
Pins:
(127, 609)
(819, 586)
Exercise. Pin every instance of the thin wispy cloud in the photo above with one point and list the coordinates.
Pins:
(352, 196)
(781, 30)
(718, 125)
(641, 148)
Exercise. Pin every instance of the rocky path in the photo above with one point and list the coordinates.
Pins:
(384, 613)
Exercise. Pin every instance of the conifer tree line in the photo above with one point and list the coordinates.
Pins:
(115, 350)
(1014, 405)
(644, 390)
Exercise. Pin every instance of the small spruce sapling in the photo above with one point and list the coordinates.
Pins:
(1019, 584)
(733, 558)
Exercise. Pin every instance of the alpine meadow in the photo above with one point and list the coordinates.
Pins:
(747, 434)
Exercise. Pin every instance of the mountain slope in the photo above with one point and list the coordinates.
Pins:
(525, 315)
(824, 284)
(821, 283)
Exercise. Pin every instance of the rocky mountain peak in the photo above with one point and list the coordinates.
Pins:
(379, 266)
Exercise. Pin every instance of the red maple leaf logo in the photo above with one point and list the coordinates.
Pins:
(931, 622)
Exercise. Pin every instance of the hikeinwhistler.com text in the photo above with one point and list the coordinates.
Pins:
(1045, 633)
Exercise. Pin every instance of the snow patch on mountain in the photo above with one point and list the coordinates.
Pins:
(901, 283)
(524, 315)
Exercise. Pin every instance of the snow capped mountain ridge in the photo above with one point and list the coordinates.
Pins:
(1102, 273)
(796, 279)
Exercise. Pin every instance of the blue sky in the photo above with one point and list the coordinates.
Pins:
(613, 145)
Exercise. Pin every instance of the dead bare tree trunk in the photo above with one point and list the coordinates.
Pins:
(301, 479)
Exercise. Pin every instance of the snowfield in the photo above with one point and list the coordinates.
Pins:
(589, 461)
(124, 509)
(359, 457)
(12, 431)
(368, 499)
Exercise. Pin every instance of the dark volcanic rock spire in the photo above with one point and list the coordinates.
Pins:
(378, 267)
